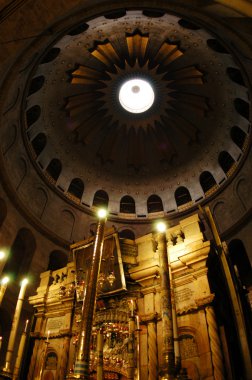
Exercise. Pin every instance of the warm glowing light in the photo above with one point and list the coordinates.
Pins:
(24, 281)
(26, 326)
(48, 335)
(102, 213)
(161, 227)
(2, 255)
(136, 95)
(5, 280)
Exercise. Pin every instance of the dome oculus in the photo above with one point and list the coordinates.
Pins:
(136, 95)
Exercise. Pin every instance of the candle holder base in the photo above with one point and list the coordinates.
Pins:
(4, 374)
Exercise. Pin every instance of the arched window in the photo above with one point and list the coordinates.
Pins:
(188, 25)
(182, 196)
(238, 136)
(216, 46)
(154, 204)
(51, 55)
(226, 161)
(239, 258)
(242, 107)
(101, 199)
(127, 205)
(57, 260)
(3, 211)
(78, 29)
(76, 188)
(32, 115)
(115, 14)
(235, 75)
(153, 13)
(36, 84)
(21, 254)
(54, 168)
(207, 181)
(39, 143)
(127, 234)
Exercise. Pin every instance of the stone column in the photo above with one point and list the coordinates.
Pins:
(234, 297)
(64, 357)
(152, 350)
(168, 362)
(173, 304)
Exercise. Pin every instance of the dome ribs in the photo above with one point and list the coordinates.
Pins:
(108, 150)
(181, 136)
(78, 100)
(137, 46)
(163, 142)
(79, 109)
(136, 140)
(185, 126)
(167, 53)
(91, 126)
(185, 103)
(85, 75)
(97, 126)
(136, 149)
(188, 74)
(105, 53)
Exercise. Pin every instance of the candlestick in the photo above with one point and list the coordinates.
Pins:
(81, 369)
(20, 352)
(1, 339)
(14, 327)
(3, 287)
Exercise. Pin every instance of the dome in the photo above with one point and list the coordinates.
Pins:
(70, 146)
(76, 136)
(180, 147)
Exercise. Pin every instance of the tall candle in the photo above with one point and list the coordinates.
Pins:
(137, 320)
(48, 334)
(14, 327)
(132, 308)
(26, 326)
(20, 353)
(1, 339)
(3, 287)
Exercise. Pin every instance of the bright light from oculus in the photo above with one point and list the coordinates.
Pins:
(161, 227)
(136, 95)
(2, 255)
(102, 213)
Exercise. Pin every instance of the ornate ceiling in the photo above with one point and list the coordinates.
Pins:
(183, 150)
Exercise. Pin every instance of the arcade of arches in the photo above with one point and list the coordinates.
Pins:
(174, 304)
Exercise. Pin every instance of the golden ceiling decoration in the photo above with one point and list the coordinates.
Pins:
(95, 114)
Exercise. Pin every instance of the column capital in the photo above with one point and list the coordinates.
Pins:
(150, 318)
